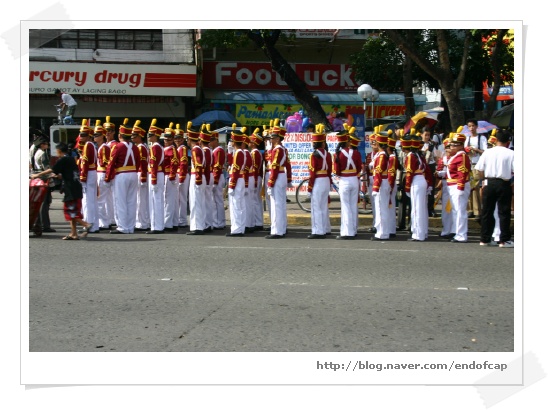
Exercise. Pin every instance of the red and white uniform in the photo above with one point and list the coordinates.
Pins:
(105, 191)
(393, 165)
(123, 168)
(458, 184)
(347, 167)
(249, 186)
(156, 182)
(448, 225)
(184, 182)
(142, 220)
(381, 195)
(219, 160)
(88, 178)
(236, 194)
(208, 185)
(196, 192)
(256, 210)
(171, 191)
(415, 187)
(110, 191)
(277, 182)
(320, 168)
(369, 162)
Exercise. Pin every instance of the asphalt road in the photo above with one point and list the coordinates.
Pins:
(179, 293)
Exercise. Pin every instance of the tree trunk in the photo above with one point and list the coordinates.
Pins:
(408, 88)
(495, 63)
(310, 102)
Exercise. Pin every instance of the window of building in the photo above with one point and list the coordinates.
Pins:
(94, 39)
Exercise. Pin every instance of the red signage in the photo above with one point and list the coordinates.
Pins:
(261, 76)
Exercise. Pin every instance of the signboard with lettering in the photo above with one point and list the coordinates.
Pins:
(261, 76)
(118, 79)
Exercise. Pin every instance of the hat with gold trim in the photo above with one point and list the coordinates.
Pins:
(458, 137)
(85, 128)
(277, 130)
(193, 133)
(137, 130)
(109, 125)
(124, 130)
(391, 139)
(169, 132)
(238, 136)
(256, 137)
(205, 133)
(382, 138)
(153, 129)
(319, 133)
(99, 129)
(179, 132)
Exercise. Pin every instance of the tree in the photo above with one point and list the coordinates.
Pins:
(450, 83)
(266, 40)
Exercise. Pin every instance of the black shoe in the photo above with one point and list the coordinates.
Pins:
(400, 229)
(328, 233)
(196, 232)
(104, 229)
(235, 234)
(153, 232)
(117, 232)
(456, 241)
(372, 230)
(183, 226)
(208, 229)
(259, 228)
(48, 230)
(415, 240)
(142, 229)
(221, 228)
(249, 230)
(287, 200)
(315, 236)
(346, 238)
(273, 236)
(392, 235)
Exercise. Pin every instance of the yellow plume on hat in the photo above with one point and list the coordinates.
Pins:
(97, 123)
(276, 122)
(84, 122)
(494, 132)
(177, 126)
(381, 127)
(376, 130)
(108, 118)
(137, 123)
(413, 131)
(170, 125)
(257, 130)
(460, 129)
(153, 123)
(352, 130)
(208, 127)
(233, 126)
(125, 121)
(243, 130)
(189, 125)
(271, 123)
(390, 132)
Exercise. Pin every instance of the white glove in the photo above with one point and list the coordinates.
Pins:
(230, 191)
(199, 187)
(269, 191)
(154, 187)
(428, 190)
(460, 193)
(442, 174)
(84, 187)
(374, 193)
(142, 183)
(180, 183)
(309, 194)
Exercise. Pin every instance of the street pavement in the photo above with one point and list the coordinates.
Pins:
(180, 293)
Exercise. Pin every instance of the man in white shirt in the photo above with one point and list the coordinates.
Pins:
(496, 168)
(66, 101)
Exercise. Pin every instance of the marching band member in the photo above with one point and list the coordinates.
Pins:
(205, 139)
(142, 218)
(103, 157)
(319, 184)
(219, 161)
(277, 183)
(110, 129)
(257, 165)
(236, 185)
(182, 180)
(88, 176)
(156, 180)
(448, 225)
(393, 166)
(196, 190)
(381, 190)
(123, 168)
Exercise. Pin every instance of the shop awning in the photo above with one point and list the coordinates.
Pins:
(247, 97)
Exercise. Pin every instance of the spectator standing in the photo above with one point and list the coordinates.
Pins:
(496, 165)
(40, 162)
(67, 101)
(474, 146)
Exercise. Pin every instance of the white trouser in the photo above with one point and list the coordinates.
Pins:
(183, 202)
(392, 215)
(209, 203)
(125, 201)
(111, 208)
(266, 196)
(142, 220)
(258, 203)
(278, 206)
(381, 200)
(89, 201)
(156, 203)
(419, 208)
(219, 218)
(448, 225)
(319, 206)
(459, 201)
(196, 196)
(171, 214)
(370, 193)
(349, 188)
(236, 204)
(105, 194)
(250, 203)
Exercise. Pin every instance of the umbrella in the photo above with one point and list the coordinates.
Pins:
(504, 118)
(483, 128)
(421, 120)
(217, 118)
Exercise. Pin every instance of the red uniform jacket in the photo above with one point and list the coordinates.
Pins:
(344, 166)
(277, 164)
(257, 164)
(208, 163)
(380, 170)
(103, 158)
(393, 165)
(219, 159)
(88, 160)
(197, 163)
(171, 162)
(319, 167)
(120, 161)
(237, 170)
(458, 170)
(182, 170)
(143, 162)
(155, 162)
(248, 166)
